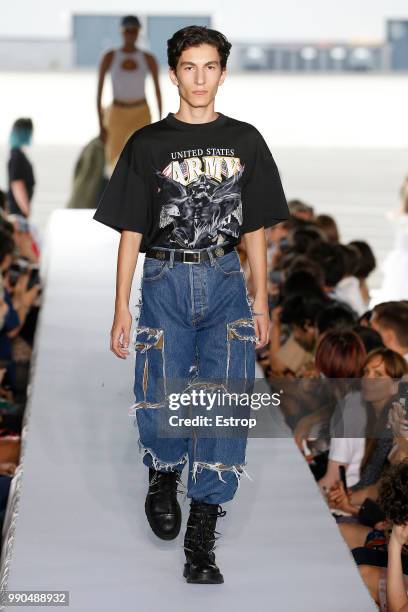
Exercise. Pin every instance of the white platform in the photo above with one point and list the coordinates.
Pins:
(80, 525)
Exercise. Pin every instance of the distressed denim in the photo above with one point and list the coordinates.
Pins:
(195, 324)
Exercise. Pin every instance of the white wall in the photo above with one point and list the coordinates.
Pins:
(294, 110)
(240, 20)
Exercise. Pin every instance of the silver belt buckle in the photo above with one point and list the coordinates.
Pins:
(191, 253)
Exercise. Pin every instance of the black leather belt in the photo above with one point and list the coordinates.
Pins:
(188, 255)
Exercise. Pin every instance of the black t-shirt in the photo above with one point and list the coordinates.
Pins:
(190, 186)
(19, 168)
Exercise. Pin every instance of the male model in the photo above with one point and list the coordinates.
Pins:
(184, 191)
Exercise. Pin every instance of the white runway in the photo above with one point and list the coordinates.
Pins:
(81, 526)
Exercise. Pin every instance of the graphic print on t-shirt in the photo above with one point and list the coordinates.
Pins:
(200, 195)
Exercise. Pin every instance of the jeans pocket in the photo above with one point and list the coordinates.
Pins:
(149, 385)
(153, 269)
(228, 264)
(241, 356)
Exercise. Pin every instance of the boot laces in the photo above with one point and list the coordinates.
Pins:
(204, 534)
(161, 482)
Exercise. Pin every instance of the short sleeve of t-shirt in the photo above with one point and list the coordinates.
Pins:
(17, 167)
(124, 202)
(263, 198)
(348, 451)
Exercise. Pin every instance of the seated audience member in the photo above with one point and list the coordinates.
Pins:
(341, 355)
(381, 558)
(276, 238)
(296, 354)
(5, 223)
(348, 288)
(371, 338)
(379, 389)
(366, 264)
(301, 210)
(390, 319)
(298, 283)
(301, 263)
(393, 582)
(381, 370)
(303, 238)
(19, 298)
(329, 227)
(365, 319)
(334, 315)
(303, 283)
(330, 257)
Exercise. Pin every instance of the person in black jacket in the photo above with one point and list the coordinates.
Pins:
(21, 179)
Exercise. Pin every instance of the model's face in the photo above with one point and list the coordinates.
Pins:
(130, 35)
(198, 75)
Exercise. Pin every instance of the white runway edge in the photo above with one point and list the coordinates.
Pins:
(76, 516)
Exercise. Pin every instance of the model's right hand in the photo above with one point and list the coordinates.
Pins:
(120, 333)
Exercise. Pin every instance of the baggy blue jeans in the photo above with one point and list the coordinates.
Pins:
(195, 324)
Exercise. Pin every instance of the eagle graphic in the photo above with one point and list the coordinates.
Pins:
(201, 214)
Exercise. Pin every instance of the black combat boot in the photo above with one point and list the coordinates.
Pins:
(199, 544)
(162, 508)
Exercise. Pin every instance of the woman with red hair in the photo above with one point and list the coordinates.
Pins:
(340, 356)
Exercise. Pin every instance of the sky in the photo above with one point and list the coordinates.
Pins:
(288, 20)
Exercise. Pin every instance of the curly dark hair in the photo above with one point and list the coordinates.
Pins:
(193, 36)
(393, 492)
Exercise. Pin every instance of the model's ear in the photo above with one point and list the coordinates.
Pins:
(173, 77)
(223, 76)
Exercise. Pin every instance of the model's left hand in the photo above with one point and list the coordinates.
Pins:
(262, 322)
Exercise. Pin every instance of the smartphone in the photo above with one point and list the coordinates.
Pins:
(343, 479)
(34, 277)
(403, 395)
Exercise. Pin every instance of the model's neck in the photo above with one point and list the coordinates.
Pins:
(128, 48)
(191, 114)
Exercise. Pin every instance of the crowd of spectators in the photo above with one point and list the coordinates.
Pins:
(19, 308)
(342, 362)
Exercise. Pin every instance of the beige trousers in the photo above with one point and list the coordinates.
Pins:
(120, 123)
